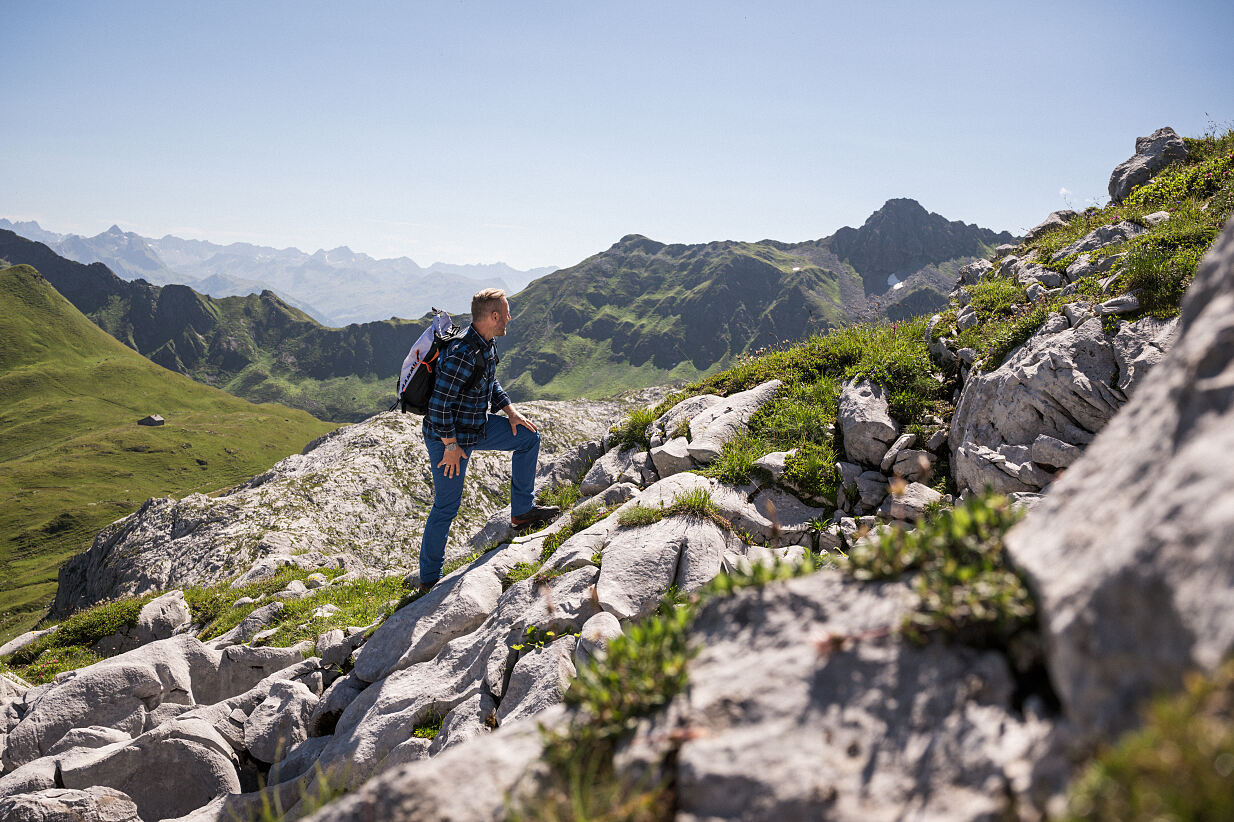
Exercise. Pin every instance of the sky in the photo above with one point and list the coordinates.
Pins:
(540, 133)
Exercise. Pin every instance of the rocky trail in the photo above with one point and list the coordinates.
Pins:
(692, 649)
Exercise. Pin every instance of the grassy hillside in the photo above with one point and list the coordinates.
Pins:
(72, 457)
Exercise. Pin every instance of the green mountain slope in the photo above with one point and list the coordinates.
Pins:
(72, 457)
(256, 347)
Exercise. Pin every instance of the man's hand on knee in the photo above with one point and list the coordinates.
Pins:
(449, 464)
(517, 419)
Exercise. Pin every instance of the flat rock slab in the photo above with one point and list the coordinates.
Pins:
(722, 421)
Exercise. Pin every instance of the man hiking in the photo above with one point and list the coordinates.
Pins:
(462, 419)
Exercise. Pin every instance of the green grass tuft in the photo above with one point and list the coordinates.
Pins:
(1179, 766)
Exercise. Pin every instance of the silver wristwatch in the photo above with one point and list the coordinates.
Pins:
(450, 446)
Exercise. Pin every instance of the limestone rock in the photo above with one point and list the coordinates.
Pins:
(672, 422)
(17, 643)
(1057, 219)
(538, 681)
(914, 465)
(865, 422)
(1152, 154)
(965, 318)
(672, 457)
(169, 771)
(910, 503)
(416, 632)
(1129, 555)
(1139, 346)
(1100, 238)
(594, 637)
(614, 467)
(1057, 384)
(257, 620)
(1054, 453)
(974, 272)
(639, 564)
(722, 421)
(889, 459)
(280, 722)
(891, 730)
(497, 767)
(473, 717)
(94, 804)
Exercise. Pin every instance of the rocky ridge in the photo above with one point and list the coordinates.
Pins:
(815, 665)
(354, 499)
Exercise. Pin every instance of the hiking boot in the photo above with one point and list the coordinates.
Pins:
(538, 515)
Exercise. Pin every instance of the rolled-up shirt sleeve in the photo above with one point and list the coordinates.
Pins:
(452, 374)
(500, 398)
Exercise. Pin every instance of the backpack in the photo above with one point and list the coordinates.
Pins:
(418, 376)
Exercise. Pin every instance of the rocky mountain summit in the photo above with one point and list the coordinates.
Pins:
(714, 612)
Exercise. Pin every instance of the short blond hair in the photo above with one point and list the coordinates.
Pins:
(485, 301)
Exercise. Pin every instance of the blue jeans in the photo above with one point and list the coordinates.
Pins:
(448, 491)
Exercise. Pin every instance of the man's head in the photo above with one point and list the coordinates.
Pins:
(490, 312)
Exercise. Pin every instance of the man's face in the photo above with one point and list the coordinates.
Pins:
(501, 318)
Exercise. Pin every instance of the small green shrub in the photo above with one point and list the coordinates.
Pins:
(1179, 766)
(965, 585)
(813, 469)
(696, 502)
(81, 630)
(736, 460)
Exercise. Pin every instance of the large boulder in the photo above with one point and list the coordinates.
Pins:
(129, 692)
(175, 768)
(865, 422)
(280, 722)
(416, 632)
(1152, 154)
(497, 768)
(1130, 555)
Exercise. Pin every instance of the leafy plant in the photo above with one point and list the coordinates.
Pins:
(563, 495)
(965, 585)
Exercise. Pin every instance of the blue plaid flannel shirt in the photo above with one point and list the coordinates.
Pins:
(454, 412)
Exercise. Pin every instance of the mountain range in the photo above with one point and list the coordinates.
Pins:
(335, 287)
(643, 313)
(640, 313)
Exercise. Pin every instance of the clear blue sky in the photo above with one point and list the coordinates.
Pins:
(538, 133)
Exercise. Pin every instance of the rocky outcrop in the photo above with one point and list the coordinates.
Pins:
(1152, 155)
(812, 671)
(1064, 383)
(95, 804)
(363, 490)
(1129, 555)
